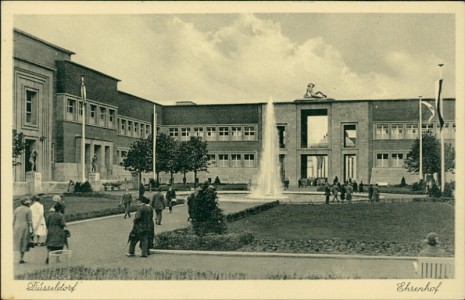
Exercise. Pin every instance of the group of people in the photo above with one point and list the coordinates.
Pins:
(344, 191)
(31, 225)
(143, 230)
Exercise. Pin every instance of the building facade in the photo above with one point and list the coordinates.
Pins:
(363, 140)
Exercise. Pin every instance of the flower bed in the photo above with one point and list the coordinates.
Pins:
(185, 239)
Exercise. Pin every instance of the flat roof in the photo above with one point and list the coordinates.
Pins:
(139, 98)
(43, 41)
(90, 69)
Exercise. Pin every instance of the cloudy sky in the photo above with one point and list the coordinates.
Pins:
(225, 58)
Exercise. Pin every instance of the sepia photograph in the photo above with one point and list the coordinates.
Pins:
(232, 150)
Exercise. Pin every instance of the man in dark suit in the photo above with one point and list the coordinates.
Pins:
(141, 229)
(158, 203)
(170, 196)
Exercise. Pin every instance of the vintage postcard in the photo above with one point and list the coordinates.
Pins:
(232, 150)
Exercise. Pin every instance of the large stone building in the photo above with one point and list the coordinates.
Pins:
(318, 137)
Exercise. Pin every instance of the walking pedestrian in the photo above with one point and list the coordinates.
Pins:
(126, 202)
(56, 234)
(376, 196)
(355, 186)
(22, 228)
(170, 197)
(140, 230)
(151, 232)
(349, 190)
(58, 199)
(327, 193)
(343, 191)
(38, 221)
(141, 191)
(190, 204)
(335, 191)
(370, 192)
(158, 203)
(360, 187)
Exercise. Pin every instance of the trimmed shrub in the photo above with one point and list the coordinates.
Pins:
(435, 191)
(419, 186)
(449, 188)
(83, 187)
(402, 181)
(207, 217)
(217, 181)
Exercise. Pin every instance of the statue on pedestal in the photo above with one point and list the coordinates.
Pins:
(94, 163)
(32, 160)
(311, 94)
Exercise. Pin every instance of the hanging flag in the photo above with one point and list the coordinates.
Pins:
(438, 95)
(83, 90)
(431, 109)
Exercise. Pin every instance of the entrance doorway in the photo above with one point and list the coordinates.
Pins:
(350, 166)
(314, 166)
(30, 145)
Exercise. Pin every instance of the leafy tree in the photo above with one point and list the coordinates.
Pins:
(167, 154)
(184, 165)
(198, 156)
(431, 156)
(18, 146)
(139, 157)
(207, 217)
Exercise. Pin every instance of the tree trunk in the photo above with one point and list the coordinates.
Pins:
(184, 180)
(196, 181)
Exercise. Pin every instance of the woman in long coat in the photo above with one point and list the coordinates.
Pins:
(22, 228)
(56, 235)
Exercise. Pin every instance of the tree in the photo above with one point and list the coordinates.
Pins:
(18, 146)
(431, 156)
(139, 157)
(167, 154)
(184, 165)
(207, 217)
(198, 156)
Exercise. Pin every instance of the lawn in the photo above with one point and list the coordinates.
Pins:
(385, 228)
(78, 204)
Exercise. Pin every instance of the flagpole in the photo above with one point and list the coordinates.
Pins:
(154, 140)
(443, 173)
(83, 141)
(421, 142)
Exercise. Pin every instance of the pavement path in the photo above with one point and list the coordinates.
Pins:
(102, 242)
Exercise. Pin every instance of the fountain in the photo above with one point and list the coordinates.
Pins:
(268, 183)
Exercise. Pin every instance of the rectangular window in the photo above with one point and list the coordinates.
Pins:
(236, 160)
(103, 116)
(382, 131)
(93, 114)
(382, 160)
(173, 132)
(136, 129)
(397, 160)
(211, 159)
(411, 131)
(80, 110)
(350, 136)
(249, 133)
(123, 126)
(211, 134)
(70, 109)
(223, 133)
(198, 132)
(397, 131)
(129, 131)
(314, 124)
(31, 104)
(249, 160)
(350, 166)
(223, 160)
(281, 136)
(185, 134)
(427, 128)
(142, 131)
(111, 118)
(236, 133)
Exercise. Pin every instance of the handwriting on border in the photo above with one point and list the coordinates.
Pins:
(41, 286)
(409, 287)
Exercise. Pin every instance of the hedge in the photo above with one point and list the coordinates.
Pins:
(250, 211)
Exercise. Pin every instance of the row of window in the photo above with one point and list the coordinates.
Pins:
(214, 133)
(399, 131)
(390, 160)
(96, 114)
(134, 128)
(232, 160)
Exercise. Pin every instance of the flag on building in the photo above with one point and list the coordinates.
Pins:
(438, 96)
(431, 109)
